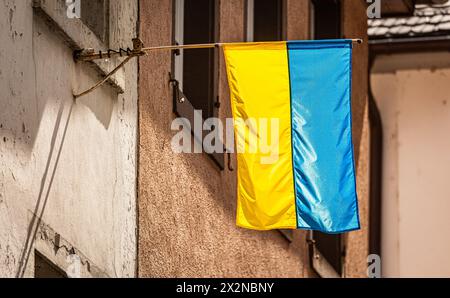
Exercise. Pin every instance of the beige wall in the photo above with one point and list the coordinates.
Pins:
(186, 205)
(355, 26)
(70, 163)
(412, 93)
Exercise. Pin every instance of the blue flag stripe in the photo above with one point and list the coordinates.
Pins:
(324, 174)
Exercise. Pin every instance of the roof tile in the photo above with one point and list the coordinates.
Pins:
(427, 20)
(444, 26)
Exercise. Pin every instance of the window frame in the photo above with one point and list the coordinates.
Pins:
(56, 248)
(314, 20)
(182, 107)
(249, 20)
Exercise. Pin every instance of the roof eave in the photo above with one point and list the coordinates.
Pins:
(397, 8)
(409, 44)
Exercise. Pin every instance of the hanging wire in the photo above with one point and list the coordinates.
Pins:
(106, 78)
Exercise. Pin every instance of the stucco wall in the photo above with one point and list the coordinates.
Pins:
(411, 91)
(71, 163)
(186, 205)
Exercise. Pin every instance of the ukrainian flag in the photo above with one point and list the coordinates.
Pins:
(310, 182)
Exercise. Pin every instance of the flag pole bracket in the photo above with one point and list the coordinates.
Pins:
(90, 55)
(137, 51)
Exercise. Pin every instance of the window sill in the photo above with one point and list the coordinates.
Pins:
(78, 36)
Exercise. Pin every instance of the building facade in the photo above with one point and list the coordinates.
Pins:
(95, 182)
(187, 202)
(67, 168)
(409, 85)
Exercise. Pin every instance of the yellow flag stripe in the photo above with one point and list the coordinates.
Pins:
(258, 76)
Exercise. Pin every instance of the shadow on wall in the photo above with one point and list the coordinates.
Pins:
(37, 79)
(45, 188)
(34, 80)
(100, 102)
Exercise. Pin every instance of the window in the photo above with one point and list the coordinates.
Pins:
(95, 15)
(195, 71)
(326, 19)
(44, 268)
(328, 250)
(265, 20)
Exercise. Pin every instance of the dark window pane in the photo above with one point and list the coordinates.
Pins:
(268, 20)
(330, 247)
(199, 64)
(95, 14)
(327, 19)
(327, 25)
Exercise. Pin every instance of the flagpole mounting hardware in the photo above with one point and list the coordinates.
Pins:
(138, 50)
(90, 55)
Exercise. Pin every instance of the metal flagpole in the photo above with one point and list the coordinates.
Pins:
(139, 50)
